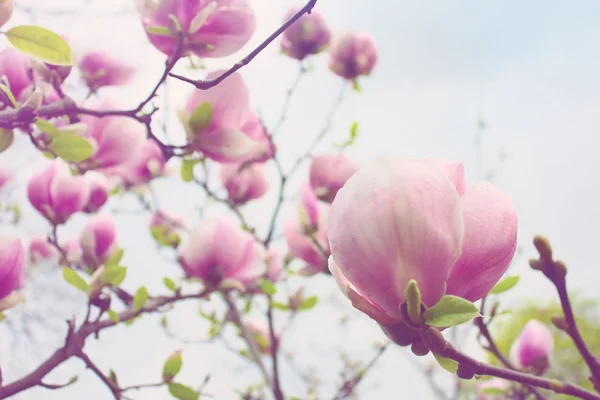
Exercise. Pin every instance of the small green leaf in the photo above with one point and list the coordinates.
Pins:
(447, 363)
(355, 86)
(183, 392)
(113, 377)
(140, 298)
(10, 96)
(114, 317)
(71, 148)
(353, 131)
(2, 316)
(491, 391)
(172, 366)
(187, 169)
(49, 155)
(170, 284)
(267, 287)
(308, 303)
(505, 284)
(201, 117)
(47, 127)
(280, 306)
(115, 258)
(114, 275)
(74, 279)
(159, 30)
(450, 311)
(40, 43)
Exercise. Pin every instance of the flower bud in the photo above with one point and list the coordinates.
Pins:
(40, 250)
(352, 55)
(99, 240)
(6, 11)
(12, 264)
(99, 191)
(99, 69)
(244, 182)
(328, 173)
(307, 35)
(533, 348)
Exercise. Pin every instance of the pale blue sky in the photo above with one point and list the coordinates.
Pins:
(529, 69)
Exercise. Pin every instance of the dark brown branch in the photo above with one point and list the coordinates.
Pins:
(203, 85)
(114, 389)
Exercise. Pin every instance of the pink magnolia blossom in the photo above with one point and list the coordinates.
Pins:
(14, 65)
(261, 335)
(165, 228)
(306, 234)
(116, 140)
(12, 265)
(100, 69)
(232, 133)
(99, 191)
(48, 92)
(5, 177)
(533, 348)
(6, 11)
(266, 263)
(56, 193)
(248, 184)
(218, 249)
(40, 249)
(216, 28)
(72, 249)
(399, 219)
(308, 35)
(98, 240)
(147, 165)
(352, 55)
(328, 173)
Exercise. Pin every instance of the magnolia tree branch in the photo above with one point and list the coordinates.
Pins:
(203, 85)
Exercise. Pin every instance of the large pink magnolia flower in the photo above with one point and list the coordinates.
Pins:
(243, 185)
(100, 69)
(533, 348)
(12, 264)
(328, 173)
(308, 35)
(15, 66)
(226, 130)
(399, 219)
(116, 139)
(217, 249)
(148, 164)
(212, 28)
(352, 55)
(98, 240)
(56, 193)
(6, 11)
(306, 234)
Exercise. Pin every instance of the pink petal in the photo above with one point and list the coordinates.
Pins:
(225, 145)
(12, 263)
(534, 342)
(455, 172)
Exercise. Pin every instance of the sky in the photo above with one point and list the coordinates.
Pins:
(529, 70)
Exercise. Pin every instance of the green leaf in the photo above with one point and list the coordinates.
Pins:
(159, 30)
(490, 391)
(172, 366)
(40, 43)
(6, 139)
(47, 127)
(113, 377)
(74, 279)
(280, 306)
(450, 311)
(71, 148)
(2, 316)
(183, 392)
(140, 298)
(49, 155)
(309, 303)
(505, 284)
(114, 317)
(353, 131)
(115, 258)
(10, 96)
(447, 363)
(187, 169)
(170, 284)
(115, 275)
(355, 86)
(201, 117)
(267, 287)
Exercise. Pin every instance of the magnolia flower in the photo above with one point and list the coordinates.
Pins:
(56, 193)
(12, 264)
(40, 250)
(6, 11)
(261, 336)
(308, 35)
(352, 55)
(165, 227)
(306, 235)
(217, 249)
(219, 122)
(46, 92)
(533, 348)
(14, 65)
(399, 219)
(98, 240)
(148, 164)
(244, 183)
(99, 191)
(100, 69)
(328, 173)
(211, 29)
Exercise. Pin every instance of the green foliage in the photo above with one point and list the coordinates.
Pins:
(114, 275)
(187, 169)
(351, 138)
(71, 148)
(267, 287)
(447, 363)
(73, 279)
(505, 284)
(170, 284)
(47, 127)
(114, 317)
(140, 298)
(450, 311)
(40, 43)
(183, 392)
(172, 366)
(201, 117)
(308, 303)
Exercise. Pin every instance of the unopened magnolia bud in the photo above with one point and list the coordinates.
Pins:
(96, 283)
(465, 371)
(34, 101)
(560, 323)
(102, 302)
(296, 300)
(419, 348)
(537, 265)
(400, 334)
(435, 340)
(543, 247)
